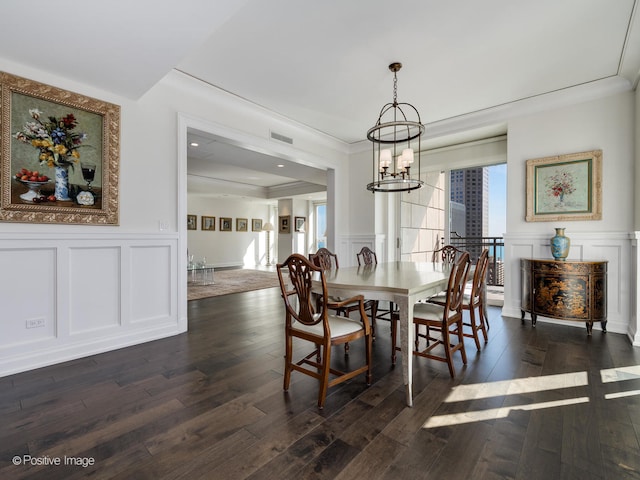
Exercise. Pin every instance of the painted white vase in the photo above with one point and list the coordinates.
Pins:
(62, 183)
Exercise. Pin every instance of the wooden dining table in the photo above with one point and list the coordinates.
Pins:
(403, 283)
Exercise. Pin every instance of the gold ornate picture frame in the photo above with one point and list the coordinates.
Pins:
(59, 155)
(565, 187)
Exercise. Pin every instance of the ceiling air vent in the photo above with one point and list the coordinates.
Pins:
(282, 138)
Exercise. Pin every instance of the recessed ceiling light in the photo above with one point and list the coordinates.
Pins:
(193, 144)
(280, 165)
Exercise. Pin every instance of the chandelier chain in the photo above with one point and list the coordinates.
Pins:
(395, 89)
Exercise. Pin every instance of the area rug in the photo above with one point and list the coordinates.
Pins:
(233, 281)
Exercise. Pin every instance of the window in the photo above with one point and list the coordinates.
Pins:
(320, 225)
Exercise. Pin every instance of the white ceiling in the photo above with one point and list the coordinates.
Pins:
(324, 63)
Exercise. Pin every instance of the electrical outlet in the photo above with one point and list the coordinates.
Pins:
(163, 225)
(35, 323)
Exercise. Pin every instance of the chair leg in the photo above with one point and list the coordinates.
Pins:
(474, 326)
(446, 340)
(394, 338)
(483, 322)
(374, 314)
(346, 345)
(463, 352)
(485, 315)
(324, 377)
(288, 358)
(368, 348)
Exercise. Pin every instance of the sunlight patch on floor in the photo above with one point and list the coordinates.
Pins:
(494, 413)
(620, 373)
(462, 393)
(630, 393)
(465, 393)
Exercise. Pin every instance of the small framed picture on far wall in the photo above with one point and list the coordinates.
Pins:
(285, 224)
(208, 223)
(242, 224)
(225, 224)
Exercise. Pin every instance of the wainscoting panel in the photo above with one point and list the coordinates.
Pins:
(27, 300)
(615, 248)
(86, 294)
(151, 283)
(351, 245)
(94, 279)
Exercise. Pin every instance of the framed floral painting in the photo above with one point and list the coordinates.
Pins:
(59, 155)
(565, 187)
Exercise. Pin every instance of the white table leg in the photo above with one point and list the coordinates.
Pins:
(406, 344)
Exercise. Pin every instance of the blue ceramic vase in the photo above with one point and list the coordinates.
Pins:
(560, 244)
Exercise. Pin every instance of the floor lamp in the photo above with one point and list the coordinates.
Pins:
(268, 227)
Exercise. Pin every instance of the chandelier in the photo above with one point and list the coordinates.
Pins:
(396, 144)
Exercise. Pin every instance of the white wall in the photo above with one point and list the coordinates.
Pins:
(228, 249)
(607, 124)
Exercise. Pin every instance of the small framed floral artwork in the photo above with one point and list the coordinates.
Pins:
(192, 222)
(565, 187)
(242, 225)
(59, 155)
(208, 223)
(225, 224)
(256, 224)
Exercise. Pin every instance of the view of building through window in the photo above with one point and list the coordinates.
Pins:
(477, 214)
(478, 201)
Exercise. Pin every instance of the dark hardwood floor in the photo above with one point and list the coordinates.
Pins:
(543, 403)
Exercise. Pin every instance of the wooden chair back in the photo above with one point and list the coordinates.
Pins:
(479, 278)
(324, 259)
(456, 284)
(446, 254)
(308, 309)
(366, 256)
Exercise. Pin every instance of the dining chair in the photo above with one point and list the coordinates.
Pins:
(473, 299)
(328, 260)
(446, 254)
(324, 259)
(366, 256)
(444, 319)
(305, 321)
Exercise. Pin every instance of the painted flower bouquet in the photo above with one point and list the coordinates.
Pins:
(560, 184)
(56, 138)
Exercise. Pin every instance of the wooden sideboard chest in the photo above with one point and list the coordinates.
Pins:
(566, 290)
